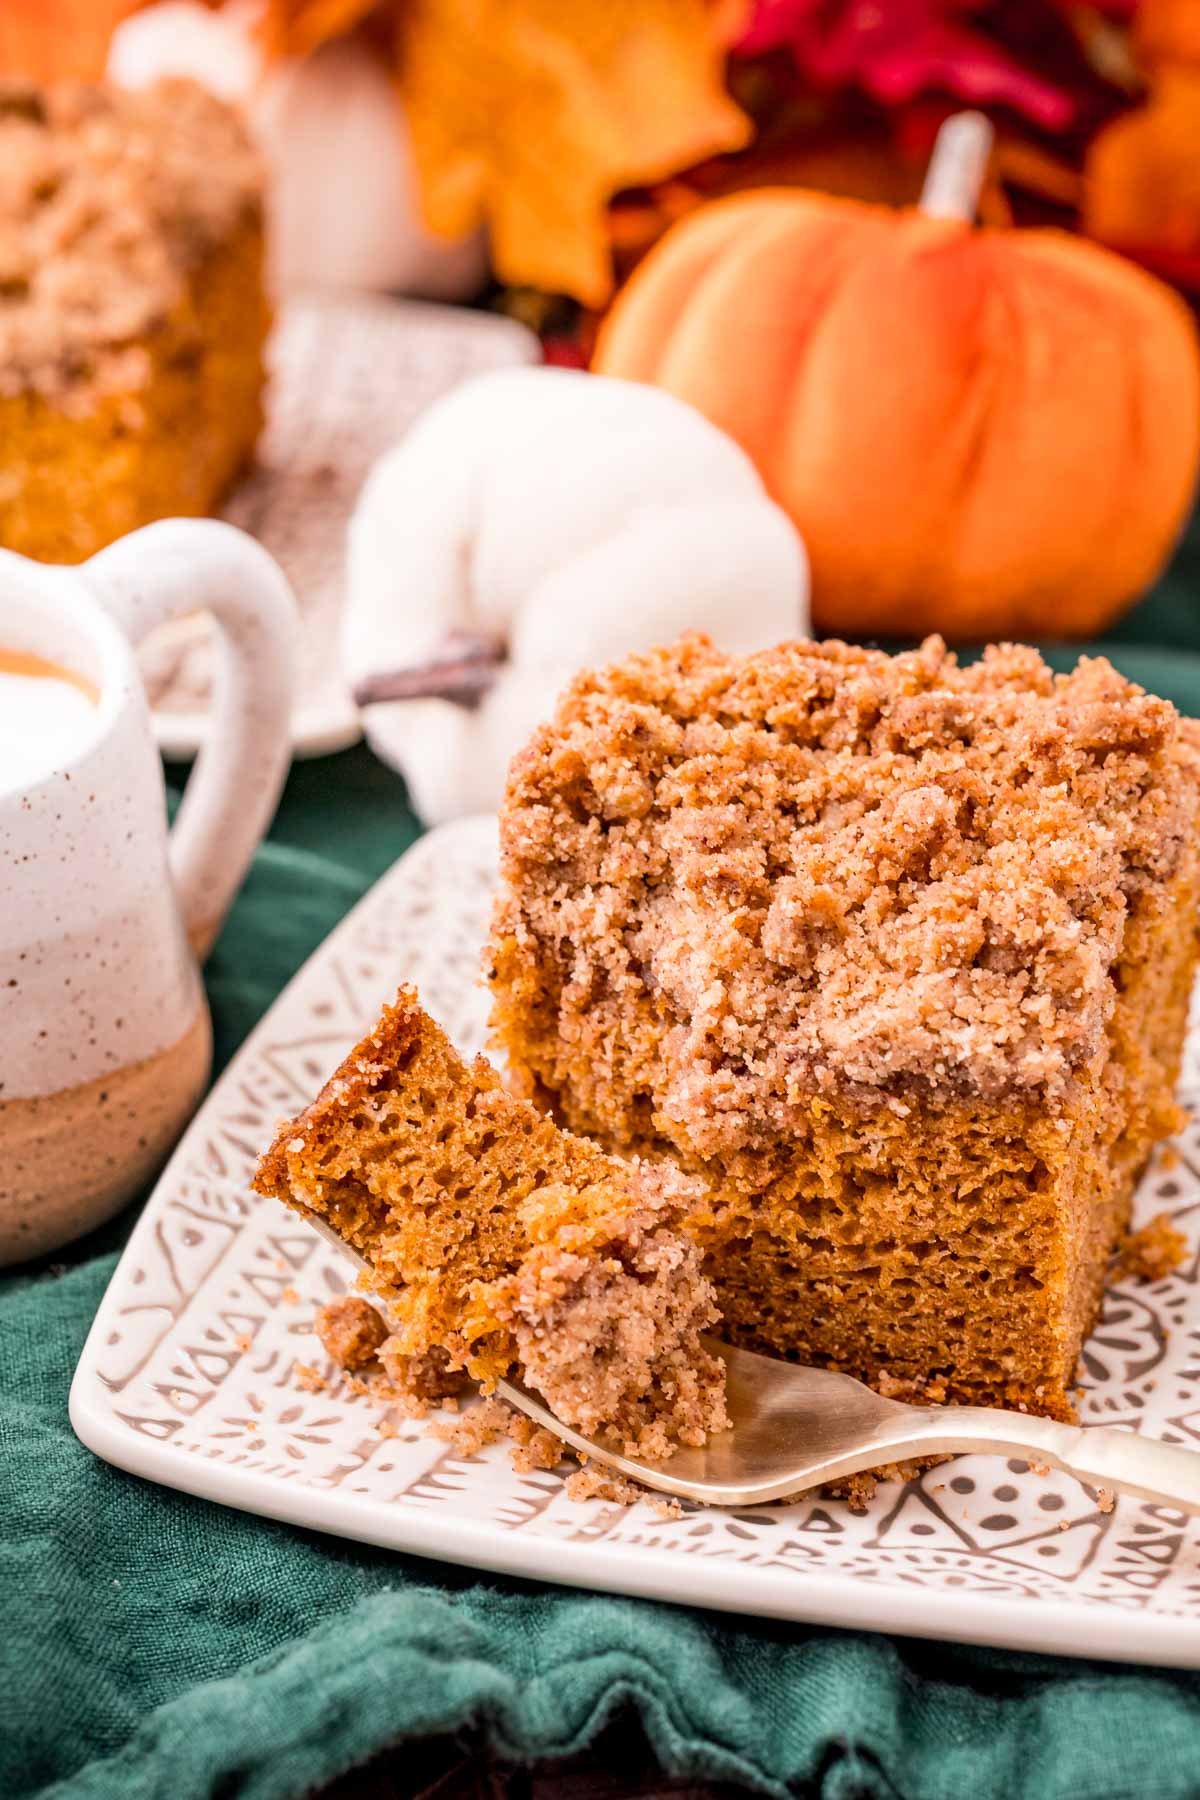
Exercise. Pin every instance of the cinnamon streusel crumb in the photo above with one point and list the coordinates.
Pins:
(351, 1331)
(832, 869)
(1151, 1251)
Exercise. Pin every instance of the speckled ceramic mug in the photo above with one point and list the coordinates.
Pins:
(105, 1039)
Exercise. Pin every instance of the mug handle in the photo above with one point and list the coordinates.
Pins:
(180, 566)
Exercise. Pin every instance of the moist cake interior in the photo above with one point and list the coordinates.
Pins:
(501, 1244)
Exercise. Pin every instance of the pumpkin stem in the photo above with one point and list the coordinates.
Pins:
(462, 669)
(957, 167)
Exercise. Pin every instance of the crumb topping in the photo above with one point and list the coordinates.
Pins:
(607, 1312)
(351, 1330)
(733, 884)
(108, 200)
(1154, 1250)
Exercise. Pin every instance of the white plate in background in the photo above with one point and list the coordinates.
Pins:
(348, 376)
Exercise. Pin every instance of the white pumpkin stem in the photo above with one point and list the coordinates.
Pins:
(462, 669)
(954, 179)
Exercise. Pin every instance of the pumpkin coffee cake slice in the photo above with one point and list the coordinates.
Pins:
(893, 956)
(501, 1245)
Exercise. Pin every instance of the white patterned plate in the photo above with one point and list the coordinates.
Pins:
(190, 1377)
(348, 375)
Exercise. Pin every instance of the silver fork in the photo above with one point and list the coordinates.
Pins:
(795, 1428)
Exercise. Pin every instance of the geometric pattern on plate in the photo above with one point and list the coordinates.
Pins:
(194, 1374)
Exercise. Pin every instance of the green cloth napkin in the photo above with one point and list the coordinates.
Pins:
(155, 1645)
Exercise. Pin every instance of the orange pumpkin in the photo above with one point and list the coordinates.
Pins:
(987, 433)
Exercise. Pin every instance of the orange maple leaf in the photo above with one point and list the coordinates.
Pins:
(528, 115)
(58, 40)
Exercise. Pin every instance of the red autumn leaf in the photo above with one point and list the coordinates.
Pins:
(896, 49)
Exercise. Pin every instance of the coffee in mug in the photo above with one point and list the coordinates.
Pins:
(45, 709)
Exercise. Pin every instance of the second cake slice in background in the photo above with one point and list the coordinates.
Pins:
(133, 315)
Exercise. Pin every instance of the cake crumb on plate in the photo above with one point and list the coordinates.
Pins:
(351, 1331)
(1151, 1251)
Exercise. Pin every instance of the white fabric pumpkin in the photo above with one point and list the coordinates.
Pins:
(570, 519)
(344, 211)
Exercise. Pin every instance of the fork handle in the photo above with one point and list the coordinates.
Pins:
(1101, 1455)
